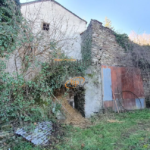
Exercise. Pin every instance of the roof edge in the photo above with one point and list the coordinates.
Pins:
(37, 1)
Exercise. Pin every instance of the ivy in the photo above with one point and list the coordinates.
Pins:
(58, 73)
(26, 101)
(123, 41)
(86, 48)
(10, 18)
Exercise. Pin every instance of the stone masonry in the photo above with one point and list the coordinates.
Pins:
(102, 44)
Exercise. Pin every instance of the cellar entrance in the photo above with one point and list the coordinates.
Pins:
(77, 99)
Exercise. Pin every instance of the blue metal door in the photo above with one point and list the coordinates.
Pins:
(107, 84)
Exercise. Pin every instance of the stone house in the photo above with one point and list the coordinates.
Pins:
(108, 83)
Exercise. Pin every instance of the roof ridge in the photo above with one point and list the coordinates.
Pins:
(36, 1)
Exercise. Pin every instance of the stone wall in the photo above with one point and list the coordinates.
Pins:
(104, 48)
(99, 46)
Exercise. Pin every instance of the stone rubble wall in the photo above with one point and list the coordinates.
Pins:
(105, 50)
(100, 43)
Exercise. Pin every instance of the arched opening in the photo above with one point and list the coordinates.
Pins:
(77, 99)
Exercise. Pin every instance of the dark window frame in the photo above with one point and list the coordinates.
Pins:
(45, 26)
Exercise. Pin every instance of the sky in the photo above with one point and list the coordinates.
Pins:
(125, 15)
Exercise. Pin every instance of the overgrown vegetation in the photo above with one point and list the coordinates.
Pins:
(86, 47)
(25, 101)
(22, 99)
(123, 41)
(58, 72)
(30, 101)
(10, 17)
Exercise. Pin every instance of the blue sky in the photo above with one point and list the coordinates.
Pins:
(126, 15)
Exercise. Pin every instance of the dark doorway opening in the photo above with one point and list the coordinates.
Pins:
(77, 99)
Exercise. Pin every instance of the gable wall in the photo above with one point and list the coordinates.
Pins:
(64, 26)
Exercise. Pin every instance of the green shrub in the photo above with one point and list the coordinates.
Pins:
(123, 41)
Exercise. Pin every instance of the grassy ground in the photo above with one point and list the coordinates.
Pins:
(106, 133)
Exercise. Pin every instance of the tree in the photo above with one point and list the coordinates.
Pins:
(107, 23)
(48, 44)
(141, 39)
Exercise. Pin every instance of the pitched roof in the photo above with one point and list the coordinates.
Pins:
(37, 1)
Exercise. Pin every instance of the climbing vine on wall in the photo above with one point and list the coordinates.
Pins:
(20, 98)
(86, 48)
(123, 41)
(57, 73)
(10, 18)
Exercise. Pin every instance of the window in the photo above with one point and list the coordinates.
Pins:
(46, 26)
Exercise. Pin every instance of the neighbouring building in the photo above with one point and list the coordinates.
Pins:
(50, 22)
(57, 23)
